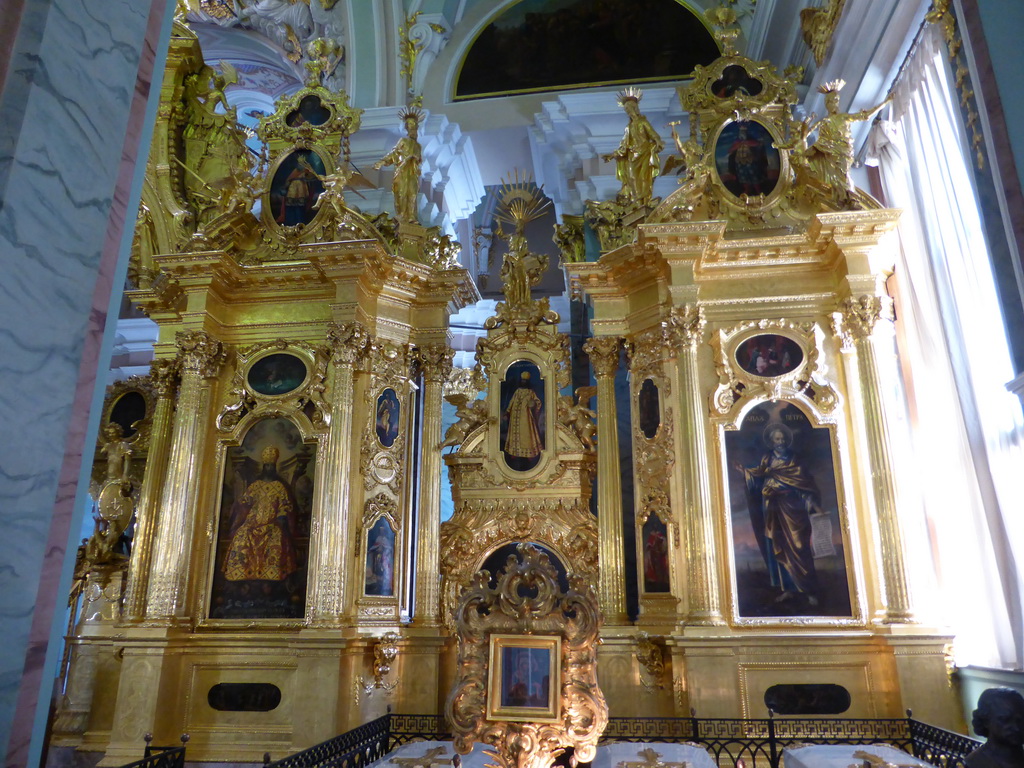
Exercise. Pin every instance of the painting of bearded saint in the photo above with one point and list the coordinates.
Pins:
(787, 537)
(263, 537)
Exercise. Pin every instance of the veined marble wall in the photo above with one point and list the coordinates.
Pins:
(72, 123)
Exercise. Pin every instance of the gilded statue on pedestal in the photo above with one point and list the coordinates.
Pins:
(636, 158)
(114, 505)
(407, 158)
(829, 159)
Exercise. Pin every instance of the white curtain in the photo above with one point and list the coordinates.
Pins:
(965, 461)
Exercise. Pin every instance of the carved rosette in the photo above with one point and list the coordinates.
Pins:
(528, 601)
(200, 354)
(479, 526)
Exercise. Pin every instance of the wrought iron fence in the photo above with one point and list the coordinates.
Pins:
(354, 749)
(161, 757)
(759, 742)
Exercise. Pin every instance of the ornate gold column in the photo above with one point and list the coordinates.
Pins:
(200, 357)
(329, 533)
(435, 362)
(604, 356)
(856, 325)
(164, 374)
(687, 331)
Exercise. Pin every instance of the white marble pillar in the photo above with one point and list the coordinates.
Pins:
(73, 131)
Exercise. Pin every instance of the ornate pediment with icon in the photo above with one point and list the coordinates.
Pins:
(747, 160)
(523, 457)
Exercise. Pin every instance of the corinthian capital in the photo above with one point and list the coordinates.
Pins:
(348, 341)
(858, 317)
(164, 375)
(199, 353)
(603, 352)
(686, 325)
(435, 361)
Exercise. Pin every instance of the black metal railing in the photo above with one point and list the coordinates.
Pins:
(161, 757)
(758, 742)
(354, 749)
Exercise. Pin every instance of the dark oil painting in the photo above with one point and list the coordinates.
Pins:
(525, 677)
(263, 535)
(746, 160)
(386, 417)
(311, 111)
(783, 504)
(655, 555)
(649, 409)
(380, 560)
(296, 185)
(276, 374)
(769, 355)
(538, 45)
(522, 416)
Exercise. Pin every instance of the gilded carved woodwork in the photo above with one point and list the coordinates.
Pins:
(528, 601)
(307, 398)
(818, 25)
(806, 381)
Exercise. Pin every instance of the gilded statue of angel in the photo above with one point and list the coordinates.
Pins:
(830, 158)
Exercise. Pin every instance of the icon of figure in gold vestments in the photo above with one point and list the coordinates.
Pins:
(261, 545)
(522, 439)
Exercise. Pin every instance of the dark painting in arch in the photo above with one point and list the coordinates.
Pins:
(276, 374)
(380, 560)
(496, 561)
(522, 416)
(787, 539)
(649, 409)
(769, 355)
(538, 45)
(736, 82)
(296, 185)
(746, 159)
(386, 417)
(311, 111)
(263, 536)
(128, 409)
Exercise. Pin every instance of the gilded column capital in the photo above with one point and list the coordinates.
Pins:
(164, 375)
(348, 342)
(858, 317)
(435, 361)
(603, 352)
(686, 325)
(200, 353)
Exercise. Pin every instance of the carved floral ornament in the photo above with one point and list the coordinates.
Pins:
(572, 619)
(773, 360)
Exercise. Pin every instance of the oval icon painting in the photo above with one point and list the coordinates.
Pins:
(276, 374)
(769, 354)
(746, 160)
(387, 417)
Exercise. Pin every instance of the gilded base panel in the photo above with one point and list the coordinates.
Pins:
(924, 666)
(635, 684)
